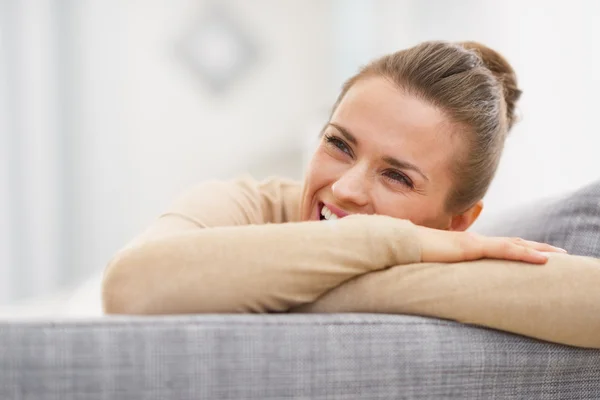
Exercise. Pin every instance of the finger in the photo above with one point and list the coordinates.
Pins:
(502, 248)
(534, 256)
(541, 246)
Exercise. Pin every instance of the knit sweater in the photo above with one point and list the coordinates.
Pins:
(239, 246)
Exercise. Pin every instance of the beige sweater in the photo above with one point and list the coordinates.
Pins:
(238, 246)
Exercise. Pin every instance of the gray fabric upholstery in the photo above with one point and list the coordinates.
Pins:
(347, 356)
(571, 221)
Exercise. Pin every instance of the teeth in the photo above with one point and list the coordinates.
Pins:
(326, 212)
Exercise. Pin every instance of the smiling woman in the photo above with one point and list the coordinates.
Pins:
(404, 161)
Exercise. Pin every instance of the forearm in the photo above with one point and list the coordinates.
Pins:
(558, 301)
(254, 268)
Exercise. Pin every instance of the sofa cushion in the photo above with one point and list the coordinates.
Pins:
(570, 221)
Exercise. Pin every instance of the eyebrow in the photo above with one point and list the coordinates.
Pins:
(349, 137)
(389, 160)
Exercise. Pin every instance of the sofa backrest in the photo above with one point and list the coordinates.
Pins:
(571, 221)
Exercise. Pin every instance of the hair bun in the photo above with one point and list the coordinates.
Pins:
(503, 72)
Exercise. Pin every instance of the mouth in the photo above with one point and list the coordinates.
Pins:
(329, 212)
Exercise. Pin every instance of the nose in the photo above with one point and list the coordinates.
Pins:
(351, 189)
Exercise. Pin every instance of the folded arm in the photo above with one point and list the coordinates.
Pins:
(253, 268)
(230, 248)
(558, 301)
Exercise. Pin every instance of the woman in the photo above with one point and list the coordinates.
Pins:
(410, 149)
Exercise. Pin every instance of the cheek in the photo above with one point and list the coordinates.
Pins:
(392, 204)
(322, 169)
(420, 209)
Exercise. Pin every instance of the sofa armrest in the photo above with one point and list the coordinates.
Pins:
(277, 356)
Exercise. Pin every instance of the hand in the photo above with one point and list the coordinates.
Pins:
(453, 246)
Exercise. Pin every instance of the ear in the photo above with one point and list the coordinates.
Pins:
(462, 222)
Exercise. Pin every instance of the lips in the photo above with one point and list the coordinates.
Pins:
(329, 212)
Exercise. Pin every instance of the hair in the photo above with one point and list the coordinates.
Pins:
(477, 90)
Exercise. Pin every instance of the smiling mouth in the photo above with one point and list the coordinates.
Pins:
(325, 214)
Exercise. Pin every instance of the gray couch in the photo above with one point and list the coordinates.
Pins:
(285, 356)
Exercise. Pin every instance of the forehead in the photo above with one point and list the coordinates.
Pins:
(387, 120)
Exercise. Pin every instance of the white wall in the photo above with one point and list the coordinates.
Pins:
(30, 196)
(150, 126)
(6, 242)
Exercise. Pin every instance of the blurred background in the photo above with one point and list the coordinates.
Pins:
(109, 108)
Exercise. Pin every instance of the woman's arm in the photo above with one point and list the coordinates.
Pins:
(273, 267)
(253, 268)
(558, 302)
(225, 247)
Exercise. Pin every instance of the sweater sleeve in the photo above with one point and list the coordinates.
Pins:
(557, 302)
(236, 202)
(222, 250)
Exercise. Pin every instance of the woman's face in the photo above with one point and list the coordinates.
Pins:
(383, 152)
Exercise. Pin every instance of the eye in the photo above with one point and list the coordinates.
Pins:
(339, 144)
(398, 177)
